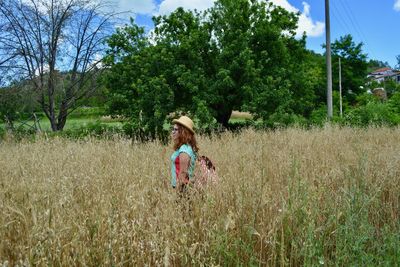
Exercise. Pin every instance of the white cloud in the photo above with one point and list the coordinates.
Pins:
(285, 4)
(396, 5)
(135, 6)
(149, 7)
(167, 6)
(306, 23)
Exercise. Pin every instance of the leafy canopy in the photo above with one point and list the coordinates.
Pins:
(236, 55)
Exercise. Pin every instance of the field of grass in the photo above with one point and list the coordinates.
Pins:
(292, 197)
(80, 118)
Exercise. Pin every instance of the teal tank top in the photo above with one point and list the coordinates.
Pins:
(175, 162)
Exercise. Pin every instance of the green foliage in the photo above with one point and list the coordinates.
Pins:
(87, 112)
(373, 113)
(8, 105)
(92, 129)
(366, 98)
(281, 119)
(353, 66)
(96, 129)
(319, 116)
(236, 54)
(391, 87)
(394, 102)
(376, 64)
(16, 102)
(2, 132)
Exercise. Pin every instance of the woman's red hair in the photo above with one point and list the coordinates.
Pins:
(185, 137)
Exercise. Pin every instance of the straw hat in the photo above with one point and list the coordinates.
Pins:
(186, 122)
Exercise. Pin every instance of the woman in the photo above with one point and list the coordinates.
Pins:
(184, 157)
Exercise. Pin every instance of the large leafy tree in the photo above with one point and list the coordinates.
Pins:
(287, 81)
(238, 54)
(140, 79)
(56, 46)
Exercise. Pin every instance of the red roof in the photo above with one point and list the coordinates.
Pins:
(381, 70)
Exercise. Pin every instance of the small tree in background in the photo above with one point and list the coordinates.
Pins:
(354, 67)
(55, 45)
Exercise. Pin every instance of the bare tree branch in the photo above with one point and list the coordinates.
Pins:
(57, 46)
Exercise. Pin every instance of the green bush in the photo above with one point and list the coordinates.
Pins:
(318, 116)
(281, 119)
(87, 112)
(142, 133)
(18, 133)
(2, 131)
(394, 102)
(373, 113)
(96, 129)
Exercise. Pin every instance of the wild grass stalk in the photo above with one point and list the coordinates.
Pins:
(285, 198)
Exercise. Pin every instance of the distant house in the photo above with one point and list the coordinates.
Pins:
(384, 74)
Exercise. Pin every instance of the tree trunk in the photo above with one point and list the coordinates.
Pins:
(53, 123)
(223, 116)
(62, 116)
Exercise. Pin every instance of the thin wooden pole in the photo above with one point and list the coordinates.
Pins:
(340, 89)
(328, 61)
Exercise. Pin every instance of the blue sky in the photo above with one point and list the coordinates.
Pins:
(372, 22)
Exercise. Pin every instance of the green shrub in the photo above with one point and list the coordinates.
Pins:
(281, 119)
(142, 133)
(87, 112)
(373, 113)
(318, 116)
(2, 131)
(96, 129)
(394, 102)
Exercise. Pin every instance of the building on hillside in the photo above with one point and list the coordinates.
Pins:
(383, 74)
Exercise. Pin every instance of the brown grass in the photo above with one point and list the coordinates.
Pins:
(288, 197)
(241, 115)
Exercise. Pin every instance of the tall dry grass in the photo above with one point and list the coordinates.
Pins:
(289, 197)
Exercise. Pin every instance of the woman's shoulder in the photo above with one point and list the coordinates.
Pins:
(186, 148)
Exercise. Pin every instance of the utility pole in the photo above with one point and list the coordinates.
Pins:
(340, 89)
(328, 61)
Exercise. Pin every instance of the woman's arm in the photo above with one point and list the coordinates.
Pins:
(184, 161)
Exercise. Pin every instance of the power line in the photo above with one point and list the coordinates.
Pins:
(353, 21)
(353, 18)
(338, 17)
(350, 18)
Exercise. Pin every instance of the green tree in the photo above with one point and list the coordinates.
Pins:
(288, 78)
(376, 64)
(9, 105)
(353, 65)
(236, 55)
(138, 79)
(391, 86)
